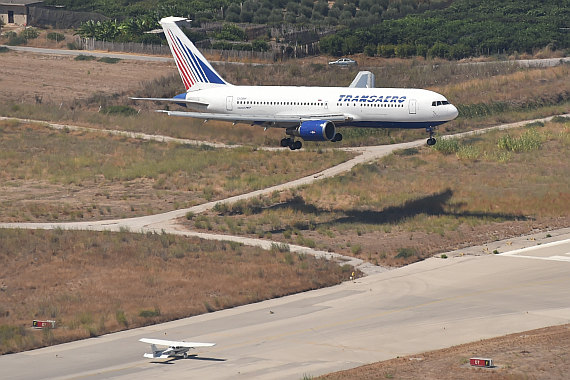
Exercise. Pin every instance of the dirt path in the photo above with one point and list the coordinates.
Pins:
(167, 222)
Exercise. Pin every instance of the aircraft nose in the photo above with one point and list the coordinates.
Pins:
(453, 112)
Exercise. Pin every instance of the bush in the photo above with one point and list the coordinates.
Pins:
(150, 313)
(82, 57)
(14, 39)
(404, 253)
(119, 110)
(530, 140)
(54, 36)
(4, 49)
(109, 60)
(72, 46)
(280, 247)
(29, 33)
(121, 318)
(447, 146)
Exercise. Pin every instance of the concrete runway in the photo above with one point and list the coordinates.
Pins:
(432, 304)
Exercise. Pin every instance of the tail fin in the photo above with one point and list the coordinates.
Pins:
(195, 71)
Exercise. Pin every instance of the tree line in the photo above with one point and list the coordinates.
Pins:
(465, 28)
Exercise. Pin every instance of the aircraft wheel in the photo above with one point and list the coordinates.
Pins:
(337, 137)
(431, 141)
(285, 142)
(297, 145)
(186, 355)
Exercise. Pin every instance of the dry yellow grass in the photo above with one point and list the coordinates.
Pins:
(93, 283)
(479, 194)
(63, 175)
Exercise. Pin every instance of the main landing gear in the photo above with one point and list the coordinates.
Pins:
(292, 144)
(431, 140)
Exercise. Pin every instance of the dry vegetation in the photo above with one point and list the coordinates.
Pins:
(537, 354)
(51, 175)
(465, 192)
(94, 283)
(508, 92)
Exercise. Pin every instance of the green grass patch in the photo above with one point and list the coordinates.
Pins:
(83, 57)
(109, 60)
(528, 141)
(119, 110)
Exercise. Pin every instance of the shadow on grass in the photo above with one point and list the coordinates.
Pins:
(433, 205)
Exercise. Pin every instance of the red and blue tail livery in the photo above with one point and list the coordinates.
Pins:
(192, 66)
(305, 113)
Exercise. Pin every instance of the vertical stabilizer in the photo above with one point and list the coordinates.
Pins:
(195, 71)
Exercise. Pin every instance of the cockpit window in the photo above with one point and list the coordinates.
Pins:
(439, 103)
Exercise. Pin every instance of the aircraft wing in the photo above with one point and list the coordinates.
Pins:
(175, 100)
(172, 343)
(258, 119)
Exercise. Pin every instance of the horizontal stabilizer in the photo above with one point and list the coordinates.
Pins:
(364, 79)
(175, 100)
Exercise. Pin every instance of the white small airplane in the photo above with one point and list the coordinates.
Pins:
(310, 113)
(174, 350)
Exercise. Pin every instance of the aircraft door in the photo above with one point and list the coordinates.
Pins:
(229, 103)
(412, 106)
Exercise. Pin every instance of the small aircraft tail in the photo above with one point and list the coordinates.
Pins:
(195, 71)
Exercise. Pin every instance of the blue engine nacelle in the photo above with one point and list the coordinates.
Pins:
(315, 130)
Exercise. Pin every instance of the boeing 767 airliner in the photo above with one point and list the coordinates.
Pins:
(310, 113)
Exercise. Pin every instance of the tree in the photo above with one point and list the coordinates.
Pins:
(331, 45)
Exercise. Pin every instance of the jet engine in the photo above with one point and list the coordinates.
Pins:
(314, 130)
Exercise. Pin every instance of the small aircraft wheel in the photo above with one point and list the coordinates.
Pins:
(285, 142)
(186, 355)
(431, 141)
(297, 145)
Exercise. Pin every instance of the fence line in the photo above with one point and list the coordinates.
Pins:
(279, 53)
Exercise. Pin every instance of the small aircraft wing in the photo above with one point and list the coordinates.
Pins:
(261, 119)
(171, 343)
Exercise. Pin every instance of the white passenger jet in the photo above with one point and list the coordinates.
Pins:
(174, 350)
(310, 113)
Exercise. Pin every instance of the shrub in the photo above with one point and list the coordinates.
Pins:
(447, 146)
(280, 247)
(54, 36)
(121, 318)
(14, 39)
(3, 49)
(72, 46)
(404, 253)
(530, 140)
(109, 60)
(560, 119)
(356, 249)
(150, 313)
(119, 110)
(467, 152)
(82, 57)
(29, 33)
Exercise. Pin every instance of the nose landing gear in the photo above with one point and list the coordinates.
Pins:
(431, 140)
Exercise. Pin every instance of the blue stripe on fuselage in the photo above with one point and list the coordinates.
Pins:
(391, 124)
